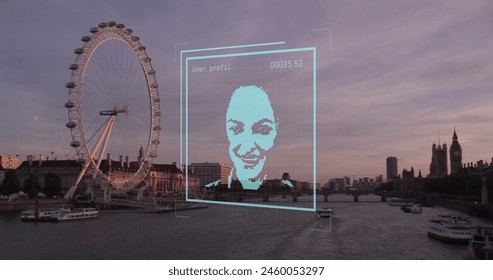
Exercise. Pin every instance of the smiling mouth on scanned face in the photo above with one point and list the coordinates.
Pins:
(250, 159)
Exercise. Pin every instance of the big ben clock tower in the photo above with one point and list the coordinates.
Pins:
(455, 155)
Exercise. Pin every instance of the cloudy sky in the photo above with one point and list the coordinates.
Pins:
(391, 76)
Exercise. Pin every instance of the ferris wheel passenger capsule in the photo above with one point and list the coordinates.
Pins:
(69, 104)
(71, 124)
(70, 85)
(73, 67)
(75, 144)
(85, 39)
(94, 30)
(111, 23)
(79, 51)
(102, 25)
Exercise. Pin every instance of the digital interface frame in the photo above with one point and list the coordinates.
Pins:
(253, 108)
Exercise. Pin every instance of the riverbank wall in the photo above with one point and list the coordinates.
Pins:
(18, 205)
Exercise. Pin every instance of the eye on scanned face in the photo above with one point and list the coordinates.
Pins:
(236, 127)
(261, 127)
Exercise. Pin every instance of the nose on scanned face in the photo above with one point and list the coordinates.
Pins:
(243, 150)
(246, 145)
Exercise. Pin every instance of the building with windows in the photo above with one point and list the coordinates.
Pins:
(165, 179)
(120, 170)
(67, 170)
(208, 172)
(8, 162)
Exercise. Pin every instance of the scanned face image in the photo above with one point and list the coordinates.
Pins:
(251, 129)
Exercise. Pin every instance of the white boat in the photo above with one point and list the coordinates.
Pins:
(42, 215)
(325, 213)
(412, 208)
(416, 209)
(75, 214)
(450, 228)
(481, 243)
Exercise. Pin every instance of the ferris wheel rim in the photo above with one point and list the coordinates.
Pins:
(100, 35)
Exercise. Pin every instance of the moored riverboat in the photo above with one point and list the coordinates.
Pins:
(450, 228)
(325, 213)
(75, 215)
(414, 208)
(40, 215)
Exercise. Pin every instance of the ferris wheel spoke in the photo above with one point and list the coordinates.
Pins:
(101, 86)
(99, 96)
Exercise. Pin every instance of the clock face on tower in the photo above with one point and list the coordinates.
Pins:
(456, 153)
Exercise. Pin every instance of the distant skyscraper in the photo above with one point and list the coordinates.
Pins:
(391, 168)
(438, 165)
(455, 155)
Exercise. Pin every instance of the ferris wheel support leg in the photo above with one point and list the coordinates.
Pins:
(72, 189)
(101, 138)
(106, 137)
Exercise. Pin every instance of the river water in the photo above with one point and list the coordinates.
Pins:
(367, 229)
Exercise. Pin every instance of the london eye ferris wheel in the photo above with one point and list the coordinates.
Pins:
(113, 106)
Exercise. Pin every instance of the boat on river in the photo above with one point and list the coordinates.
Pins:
(414, 208)
(40, 215)
(450, 228)
(325, 213)
(75, 215)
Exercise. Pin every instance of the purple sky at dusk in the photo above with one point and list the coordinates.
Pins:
(396, 73)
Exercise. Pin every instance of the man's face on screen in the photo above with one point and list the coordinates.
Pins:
(251, 129)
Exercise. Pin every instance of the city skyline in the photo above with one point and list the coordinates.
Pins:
(391, 76)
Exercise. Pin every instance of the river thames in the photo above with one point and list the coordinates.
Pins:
(368, 229)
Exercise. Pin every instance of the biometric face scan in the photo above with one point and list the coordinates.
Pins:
(249, 113)
(251, 129)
